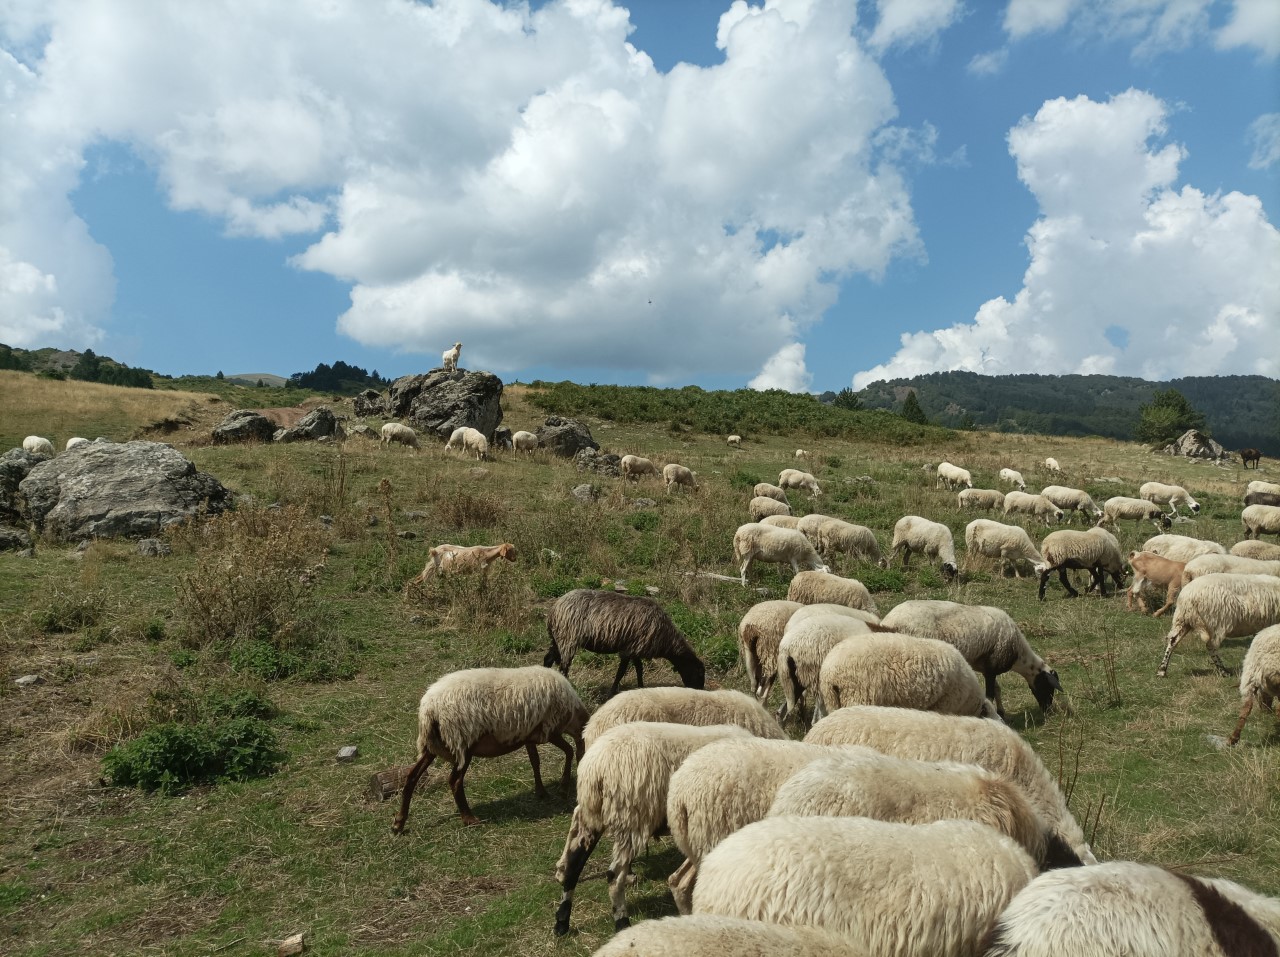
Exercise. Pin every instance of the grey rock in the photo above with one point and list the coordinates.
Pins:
(502, 437)
(26, 553)
(368, 403)
(348, 753)
(316, 424)
(118, 490)
(26, 681)
(244, 425)
(602, 463)
(406, 534)
(652, 589)
(1195, 444)
(439, 402)
(585, 493)
(416, 516)
(326, 519)
(643, 503)
(153, 548)
(84, 545)
(14, 467)
(13, 539)
(360, 430)
(565, 437)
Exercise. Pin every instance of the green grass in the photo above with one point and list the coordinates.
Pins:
(232, 867)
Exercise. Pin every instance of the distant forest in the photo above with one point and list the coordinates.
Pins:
(340, 378)
(85, 366)
(1241, 410)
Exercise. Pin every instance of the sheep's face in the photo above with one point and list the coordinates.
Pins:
(508, 551)
(1045, 684)
(1194, 506)
(692, 671)
(949, 570)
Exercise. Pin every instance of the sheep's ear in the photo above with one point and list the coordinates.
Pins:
(1052, 676)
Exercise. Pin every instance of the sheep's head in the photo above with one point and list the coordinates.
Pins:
(949, 570)
(691, 670)
(1040, 568)
(508, 551)
(1043, 687)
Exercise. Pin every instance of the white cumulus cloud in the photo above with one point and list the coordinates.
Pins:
(1152, 26)
(909, 22)
(1186, 279)
(1253, 23)
(784, 370)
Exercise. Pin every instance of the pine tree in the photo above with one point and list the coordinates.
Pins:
(1166, 417)
(846, 398)
(911, 410)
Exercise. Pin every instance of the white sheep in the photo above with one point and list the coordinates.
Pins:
(894, 670)
(489, 712)
(912, 533)
(398, 433)
(952, 475)
(1231, 564)
(75, 443)
(770, 491)
(1119, 507)
(690, 706)
(983, 498)
(1265, 487)
(1125, 909)
(37, 445)
(794, 478)
(927, 736)
(1149, 567)
(803, 454)
(906, 890)
(781, 521)
(834, 536)
(1171, 495)
(1181, 548)
(450, 357)
(1260, 677)
(827, 608)
(989, 639)
(1223, 606)
(1025, 503)
(622, 792)
(817, 588)
(523, 441)
(759, 633)
(1256, 548)
(1051, 464)
(469, 440)
(1259, 520)
(451, 559)
(1009, 543)
(1095, 551)
(761, 507)
(678, 476)
(735, 441)
(1071, 499)
(1013, 477)
(801, 652)
(766, 543)
(707, 935)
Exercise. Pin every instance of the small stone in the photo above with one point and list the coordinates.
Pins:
(652, 589)
(291, 946)
(83, 546)
(26, 681)
(326, 519)
(153, 548)
(1216, 741)
(417, 619)
(406, 534)
(643, 503)
(27, 553)
(348, 753)
(585, 493)
(416, 516)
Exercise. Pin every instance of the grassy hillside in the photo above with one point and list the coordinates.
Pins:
(309, 616)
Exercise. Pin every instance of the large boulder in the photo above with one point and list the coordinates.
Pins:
(14, 467)
(244, 425)
(13, 539)
(319, 423)
(603, 463)
(440, 401)
(1195, 444)
(118, 490)
(367, 404)
(565, 437)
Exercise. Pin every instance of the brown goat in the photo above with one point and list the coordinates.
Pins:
(461, 558)
(1153, 568)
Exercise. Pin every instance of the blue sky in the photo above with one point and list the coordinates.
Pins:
(663, 192)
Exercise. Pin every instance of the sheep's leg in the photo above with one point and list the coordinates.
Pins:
(1066, 583)
(577, 848)
(1175, 636)
(622, 670)
(681, 883)
(1235, 735)
(639, 672)
(619, 876)
(410, 785)
(1217, 663)
(993, 692)
(1044, 580)
(766, 687)
(567, 748)
(745, 565)
(536, 763)
(458, 787)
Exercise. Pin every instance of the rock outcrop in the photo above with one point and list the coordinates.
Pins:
(244, 425)
(1196, 445)
(317, 424)
(565, 437)
(439, 402)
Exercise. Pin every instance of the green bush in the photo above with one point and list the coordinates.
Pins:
(883, 579)
(172, 757)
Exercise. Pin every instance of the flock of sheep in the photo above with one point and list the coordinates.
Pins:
(910, 820)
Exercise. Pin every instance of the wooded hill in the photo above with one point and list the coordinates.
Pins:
(1241, 410)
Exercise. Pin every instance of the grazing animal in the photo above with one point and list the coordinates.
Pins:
(953, 475)
(759, 633)
(1259, 520)
(1119, 507)
(469, 440)
(794, 478)
(450, 357)
(1171, 495)
(756, 541)
(1009, 543)
(1027, 504)
(678, 476)
(1250, 455)
(37, 445)
(1158, 570)
(452, 559)
(691, 706)
(523, 441)
(633, 466)
(1223, 606)
(1013, 477)
(1052, 465)
(396, 432)
(912, 533)
(1095, 551)
(735, 441)
(1260, 677)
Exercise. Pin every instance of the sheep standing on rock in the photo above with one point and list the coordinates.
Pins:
(1260, 520)
(759, 633)
(689, 706)
(1118, 508)
(1220, 607)
(761, 507)
(678, 476)
(1071, 500)
(450, 357)
(633, 466)
(1181, 548)
(523, 441)
(469, 440)
(1095, 551)
(794, 478)
(1256, 548)
(1027, 504)
(1013, 477)
(489, 712)
(1153, 568)
(757, 542)
(1009, 543)
(932, 539)
(821, 588)
(983, 498)
(1260, 677)
(398, 433)
(765, 490)
(1171, 495)
(990, 640)
(37, 445)
(633, 627)
(953, 475)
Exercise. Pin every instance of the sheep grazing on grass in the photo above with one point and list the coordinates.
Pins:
(804, 647)
(1262, 498)
(781, 521)
(489, 712)
(820, 588)
(689, 706)
(631, 626)
(395, 432)
(1181, 548)
(735, 441)
(523, 441)
(1126, 909)
(1013, 477)
(710, 936)
(1154, 569)
(1171, 495)
(1071, 500)
(1259, 678)
(633, 466)
(1025, 503)
(1256, 548)
(622, 792)
(906, 890)
(766, 543)
(759, 633)
(1095, 551)
(453, 559)
(450, 357)
(761, 507)
(765, 490)
(932, 539)
(1118, 508)
(37, 445)
(1259, 486)
(75, 443)
(803, 454)
(894, 670)
(794, 478)
(826, 608)
(1250, 455)
(952, 475)
(468, 439)
(1231, 564)
(1260, 520)
(677, 476)
(1051, 465)
(1220, 607)
(990, 640)
(927, 736)
(834, 536)
(983, 498)
(1009, 543)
